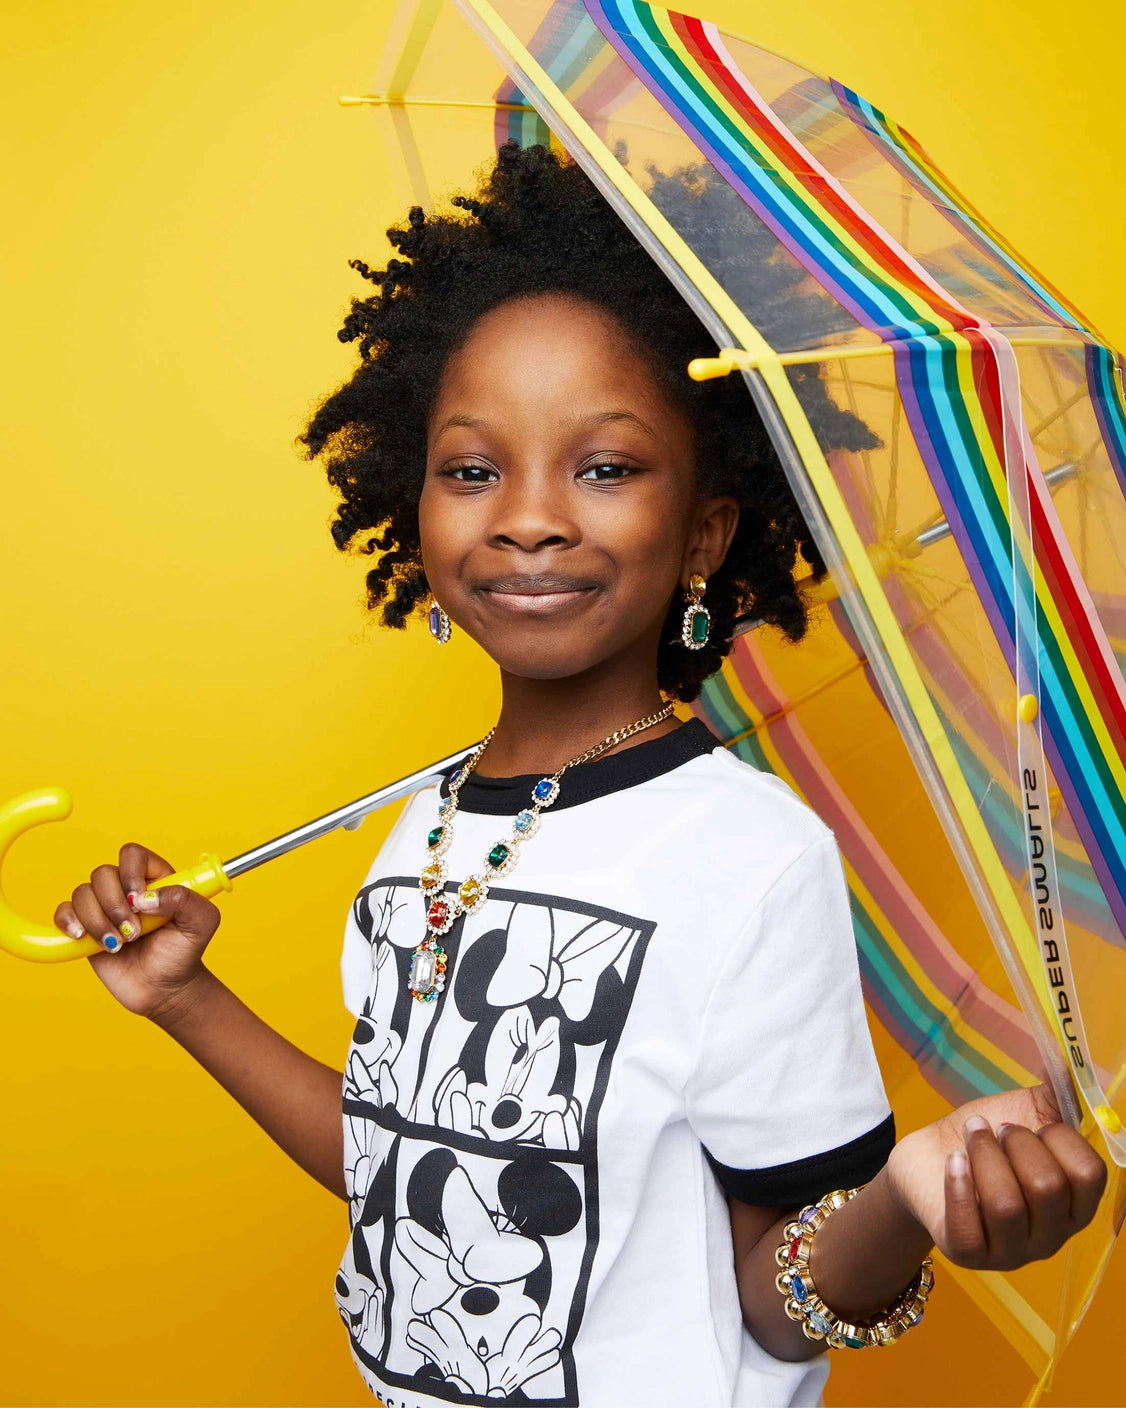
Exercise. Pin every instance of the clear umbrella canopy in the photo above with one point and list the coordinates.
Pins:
(957, 714)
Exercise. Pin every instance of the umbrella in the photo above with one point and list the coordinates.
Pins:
(958, 713)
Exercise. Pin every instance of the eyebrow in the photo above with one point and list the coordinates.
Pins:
(580, 422)
(470, 422)
(608, 417)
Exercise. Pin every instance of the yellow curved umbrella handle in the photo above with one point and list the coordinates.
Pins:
(44, 943)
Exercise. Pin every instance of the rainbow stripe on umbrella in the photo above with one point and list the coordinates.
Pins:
(948, 377)
(949, 363)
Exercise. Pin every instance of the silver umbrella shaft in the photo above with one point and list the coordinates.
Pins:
(942, 529)
(348, 817)
(929, 536)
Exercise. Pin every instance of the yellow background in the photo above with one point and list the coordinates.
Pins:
(185, 651)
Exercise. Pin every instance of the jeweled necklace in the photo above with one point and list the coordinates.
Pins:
(427, 976)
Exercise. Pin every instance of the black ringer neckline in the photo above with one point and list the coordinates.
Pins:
(504, 796)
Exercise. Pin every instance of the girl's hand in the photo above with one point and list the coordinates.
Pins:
(999, 1182)
(149, 974)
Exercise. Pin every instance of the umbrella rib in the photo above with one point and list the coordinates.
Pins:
(360, 100)
(940, 529)
(1043, 425)
(858, 663)
(1084, 542)
(731, 359)
(865, 455)
(893, 465)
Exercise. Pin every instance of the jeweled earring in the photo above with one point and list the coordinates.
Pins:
(697, 619)
(439, 624)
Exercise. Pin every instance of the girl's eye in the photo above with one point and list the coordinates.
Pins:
(604, 470)
(471, 473)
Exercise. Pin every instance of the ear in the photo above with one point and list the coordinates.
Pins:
(713, 528)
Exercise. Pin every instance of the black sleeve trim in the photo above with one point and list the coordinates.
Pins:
(805, 1180)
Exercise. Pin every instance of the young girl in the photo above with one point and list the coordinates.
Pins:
(610, 1037)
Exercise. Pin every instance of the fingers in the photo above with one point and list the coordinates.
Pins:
(1083, 1168)
(64, 918)
(193, 915)
(965, 1235)
(1044, 1186)
(102, 908)
(109, 893)
(1004, 1214)
(85, 911)
(1017, 1195)
(986, 1216)
(138, 866)
(1045, 1103)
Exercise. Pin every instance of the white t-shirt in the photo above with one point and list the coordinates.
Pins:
(660, 1002)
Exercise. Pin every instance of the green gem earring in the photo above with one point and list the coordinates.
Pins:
(697, 621)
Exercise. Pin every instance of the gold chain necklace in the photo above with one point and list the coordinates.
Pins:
(427, 975)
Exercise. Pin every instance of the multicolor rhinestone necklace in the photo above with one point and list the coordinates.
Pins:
(427, 975)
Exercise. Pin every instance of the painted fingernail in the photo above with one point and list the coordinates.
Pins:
(128, 929)
(111, 942)
(1002, 1128)
(974, 1125)
(957, 1164)
(132, 898)
(75, 930)
(149, 900)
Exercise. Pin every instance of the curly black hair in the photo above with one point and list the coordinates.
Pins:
(537, 225)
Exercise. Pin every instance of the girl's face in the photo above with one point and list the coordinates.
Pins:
(559, 514)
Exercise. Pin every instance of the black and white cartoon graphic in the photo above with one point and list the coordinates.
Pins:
(368, 1077)
(360, 1309)
(537, 992)
(518, 1098)
(470, 1133)
(545, 957)
(483, 1280)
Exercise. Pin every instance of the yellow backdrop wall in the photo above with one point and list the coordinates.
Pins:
(185, 651)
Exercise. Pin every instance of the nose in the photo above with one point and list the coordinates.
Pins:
(531, 513)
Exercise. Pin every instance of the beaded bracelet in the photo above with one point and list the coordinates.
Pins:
(803, 1303)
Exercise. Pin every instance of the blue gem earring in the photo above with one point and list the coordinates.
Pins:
(439, 623)
(697, 619)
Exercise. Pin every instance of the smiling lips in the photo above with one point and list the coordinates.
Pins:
(539, 595)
